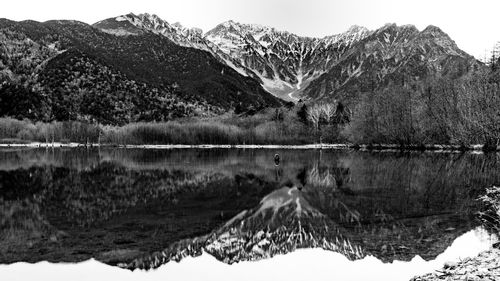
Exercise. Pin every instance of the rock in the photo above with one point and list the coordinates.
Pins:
(482, 267)
(53, 238)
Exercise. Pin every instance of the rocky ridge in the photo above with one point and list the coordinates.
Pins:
(291, 66)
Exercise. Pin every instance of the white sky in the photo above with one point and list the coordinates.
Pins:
(474, 25)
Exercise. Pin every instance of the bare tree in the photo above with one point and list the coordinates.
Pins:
(314, 116)
(330, 115)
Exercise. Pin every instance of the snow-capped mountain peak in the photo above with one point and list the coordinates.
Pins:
(283, 61)
(289, 66)
(145, 22)
(354, 34)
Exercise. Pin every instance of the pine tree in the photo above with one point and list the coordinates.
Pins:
(302, 114)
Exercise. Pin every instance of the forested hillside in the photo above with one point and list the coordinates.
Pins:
(66, 70)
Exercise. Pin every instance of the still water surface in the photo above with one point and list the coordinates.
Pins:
(141, 208)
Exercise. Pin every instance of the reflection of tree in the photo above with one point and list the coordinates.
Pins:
(37, 203)
(398, 207)
(57, 214)
(22, 225)
(87, 197)
(322, 183)
(278, 171)
(325, 177)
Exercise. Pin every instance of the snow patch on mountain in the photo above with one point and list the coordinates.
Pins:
(118, 32)
(283, 61)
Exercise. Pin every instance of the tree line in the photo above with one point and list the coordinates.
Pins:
(438, 110)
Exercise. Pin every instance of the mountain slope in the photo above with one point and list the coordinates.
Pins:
(392, 54)
(147, 59)
(333, 67)
(282, 62)
(184, 72)
(131, 24)
(285, 62)
(337, 66)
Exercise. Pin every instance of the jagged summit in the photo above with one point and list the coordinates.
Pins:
(131, 24)
(433, 29)
(353, 34)
(354, 29)
(393, 27)
(243, 29)
(283, 61)
(119, 26)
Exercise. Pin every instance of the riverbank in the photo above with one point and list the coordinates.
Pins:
(486, 266)
(261, 130)
(362, 147)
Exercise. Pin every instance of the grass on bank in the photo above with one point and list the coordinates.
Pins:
(438, 112)
(252, 130)
(257, 129)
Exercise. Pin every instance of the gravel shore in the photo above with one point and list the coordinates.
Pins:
(486, 266)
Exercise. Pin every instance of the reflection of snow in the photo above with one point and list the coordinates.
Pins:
(283, 198)
(299, 207)
(235, 218)
(302, 264)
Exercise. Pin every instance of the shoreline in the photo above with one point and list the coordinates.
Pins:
(362, 147)
(485, 266)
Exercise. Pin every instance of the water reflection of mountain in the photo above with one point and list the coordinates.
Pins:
(282, 222)
(119, 206)
(59, 214)
(285, 220)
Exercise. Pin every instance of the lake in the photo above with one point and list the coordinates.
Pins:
(142, 208)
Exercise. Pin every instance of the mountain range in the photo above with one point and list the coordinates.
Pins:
(292, 67)
(141, 68)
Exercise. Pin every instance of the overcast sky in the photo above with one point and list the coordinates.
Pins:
(474, 25)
